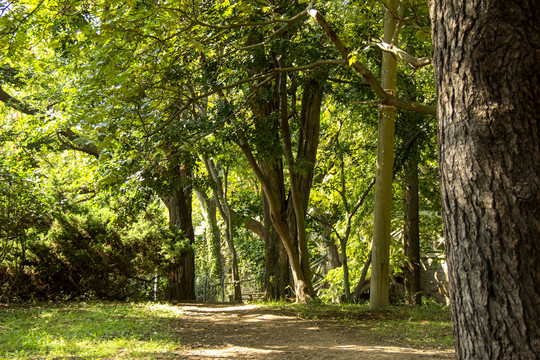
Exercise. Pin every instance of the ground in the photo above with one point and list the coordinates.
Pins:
(249, 332)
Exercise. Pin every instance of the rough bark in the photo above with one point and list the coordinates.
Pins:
(487, 66)
(181, 278)
(268, 168)
(411, 231)
(276, 276)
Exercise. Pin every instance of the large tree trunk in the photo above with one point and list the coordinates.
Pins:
(181, 279)
(276, 276)
(286, 211)
(487, 66)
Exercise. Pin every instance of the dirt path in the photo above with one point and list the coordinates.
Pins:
(248, 332)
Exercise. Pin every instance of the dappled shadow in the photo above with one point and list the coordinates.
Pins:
(248, 332)
(196, 331)
(75, 330)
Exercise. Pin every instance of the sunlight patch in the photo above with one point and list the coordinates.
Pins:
(232, 352)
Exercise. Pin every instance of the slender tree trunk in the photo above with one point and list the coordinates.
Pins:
(220, 191)
(359, 288)
(487, 66)
(345, 264)
(411, 231)
(226, 214)
(380, 280)
(213, 235)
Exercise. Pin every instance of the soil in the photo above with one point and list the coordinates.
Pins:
(221, 331)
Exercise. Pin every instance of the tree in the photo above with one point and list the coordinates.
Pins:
(386, 97)
(487, 66)
(380, 250)
(23, 215)
(220, 177)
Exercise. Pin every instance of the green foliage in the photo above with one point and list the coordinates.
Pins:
(153, 85)
(24, 214)
(86, 254)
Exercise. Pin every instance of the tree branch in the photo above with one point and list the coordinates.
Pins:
(72, 138)
(265, 77)
(68, 134)
(243, 25)
(16, 104)
(384, 98)
(403, 55)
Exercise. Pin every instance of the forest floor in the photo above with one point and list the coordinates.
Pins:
(251, 332)
(164, 331)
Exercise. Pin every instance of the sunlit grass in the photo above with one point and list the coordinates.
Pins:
(91, 330)
(101, 330)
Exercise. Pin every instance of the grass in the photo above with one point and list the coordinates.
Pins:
(92, 330)
(427, 326)
(107, 330)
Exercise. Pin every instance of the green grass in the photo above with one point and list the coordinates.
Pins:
(102, 330)
(427, 326)
(92, 330)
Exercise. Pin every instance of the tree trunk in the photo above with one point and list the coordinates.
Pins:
(276, 276)
(283, 211)
(213, 235)
(220, 194)
(411, 231)
(287, 213)
(380, 280)
(181, 279)
(229, 236)
(487, 66)
(296, 214)
(345, 264)
(332, 253)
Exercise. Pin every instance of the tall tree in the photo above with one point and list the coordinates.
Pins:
(181, 277)
(411, 230)
(487, 66)
(220, 177)
(385, 91)
(380, 267)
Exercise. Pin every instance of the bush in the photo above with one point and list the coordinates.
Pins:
(90, 252)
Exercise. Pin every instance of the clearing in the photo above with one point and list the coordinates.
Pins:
(250, 332)
(117, 330)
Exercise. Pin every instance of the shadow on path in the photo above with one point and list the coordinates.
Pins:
(212, 331)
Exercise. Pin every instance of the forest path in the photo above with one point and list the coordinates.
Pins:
(224, 331)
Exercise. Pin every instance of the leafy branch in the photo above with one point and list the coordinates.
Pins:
(384, 98)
